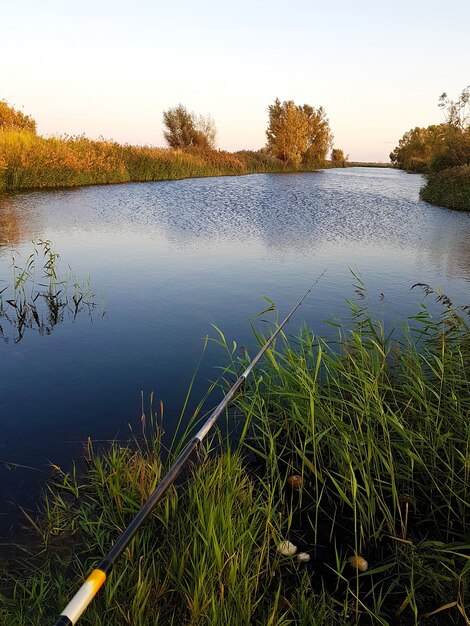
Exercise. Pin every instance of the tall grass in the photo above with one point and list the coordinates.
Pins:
(29, 161)
(378, 426)
(375, 424)
(205, 558)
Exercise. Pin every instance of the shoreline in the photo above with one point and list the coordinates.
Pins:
(31, 162)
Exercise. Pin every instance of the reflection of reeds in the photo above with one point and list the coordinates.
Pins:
(38, 298)
(376, 432)
(13, 228)
(30, 161)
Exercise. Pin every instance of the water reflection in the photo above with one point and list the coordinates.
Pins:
(450, 248)
(297, 213)
(38, 298)
(16, 224)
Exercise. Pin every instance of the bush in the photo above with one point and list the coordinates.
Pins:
(11, 119)
(449, 188)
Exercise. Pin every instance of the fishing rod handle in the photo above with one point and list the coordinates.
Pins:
(80, 601)
(77, 605)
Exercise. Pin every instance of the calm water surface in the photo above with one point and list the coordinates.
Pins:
(172, 258)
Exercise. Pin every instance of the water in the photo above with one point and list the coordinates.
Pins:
(172, 258)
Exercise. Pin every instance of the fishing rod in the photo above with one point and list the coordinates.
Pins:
(80, 601)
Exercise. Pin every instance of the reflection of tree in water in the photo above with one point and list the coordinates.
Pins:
(10, 232)
(40, 303)
(459, 254)
(449, 245)
(15, 226)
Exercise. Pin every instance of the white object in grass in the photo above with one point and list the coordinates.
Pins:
(286, 548)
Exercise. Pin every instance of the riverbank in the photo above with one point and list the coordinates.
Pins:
(28, 161)
(356, 451)
(449, 188)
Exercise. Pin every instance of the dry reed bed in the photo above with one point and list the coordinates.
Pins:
(28, 161)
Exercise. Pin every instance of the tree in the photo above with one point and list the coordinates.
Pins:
(319, 139)
(206, 131)
(417, 148)
(338, 158)
(287, 131)
(454, 149)
(440, 146)
(186, 130)
(180, 128)
(457, 112)
(11, 119)
(297, 134)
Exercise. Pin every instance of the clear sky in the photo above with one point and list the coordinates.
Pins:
(111, 68)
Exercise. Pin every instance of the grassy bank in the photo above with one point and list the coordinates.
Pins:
(364, 164)
(449, 188)
(373, 426)
(28, 161)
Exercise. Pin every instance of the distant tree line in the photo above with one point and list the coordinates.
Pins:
(298, 136)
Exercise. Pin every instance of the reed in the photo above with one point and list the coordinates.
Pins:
(30, 161)
(373, 426)
(41, 294)
(377, 427)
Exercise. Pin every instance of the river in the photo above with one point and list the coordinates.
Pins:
(169, 259)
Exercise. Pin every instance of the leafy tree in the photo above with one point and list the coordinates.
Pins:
(180, 127)
(186, 130)
(338, 158)
(416, 148)
(296, 133)
(319, 139)
(11, 119)
(438, 147)
(453, 149)
(287, 131)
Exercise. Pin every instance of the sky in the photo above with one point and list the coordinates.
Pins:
(110, 68)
